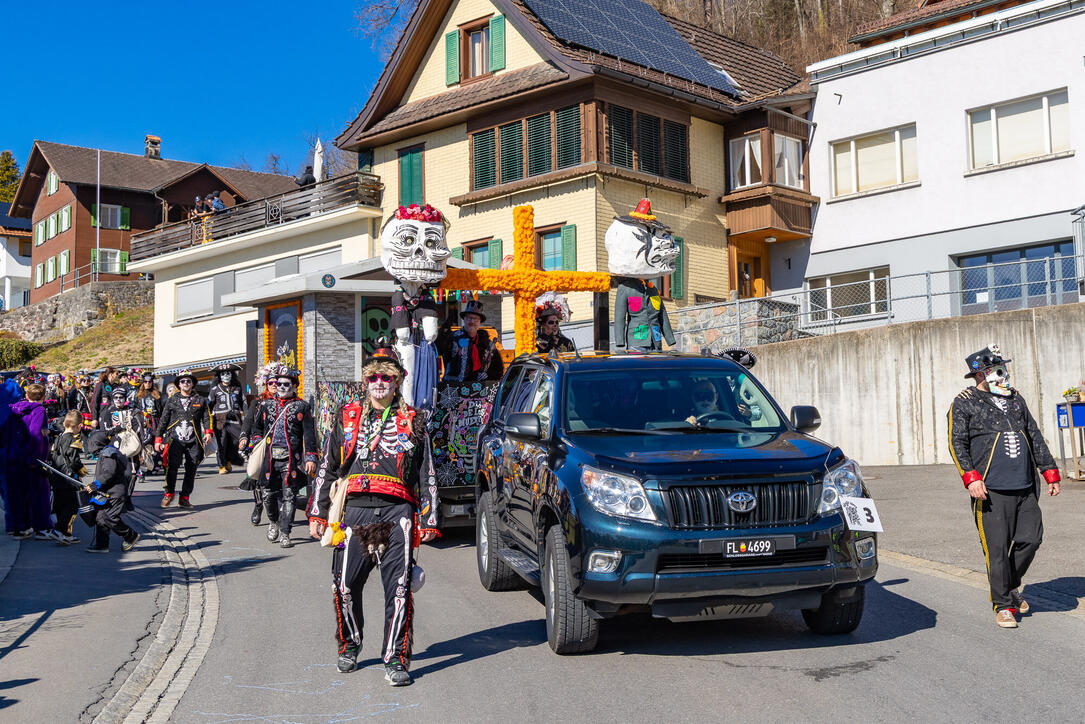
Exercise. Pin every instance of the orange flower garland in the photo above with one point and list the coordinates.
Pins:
(524, 280)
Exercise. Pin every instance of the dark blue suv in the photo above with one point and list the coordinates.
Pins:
(664, 483)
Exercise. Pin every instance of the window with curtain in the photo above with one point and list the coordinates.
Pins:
(1020, 129)
(787, 158)
(746, 160)
(478, 253)
(550, 250)
(478, 47)
(875, 161)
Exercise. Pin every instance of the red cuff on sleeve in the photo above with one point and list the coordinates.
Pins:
(314, 519)
(1052, 475)
(158, 441)
(970, 477)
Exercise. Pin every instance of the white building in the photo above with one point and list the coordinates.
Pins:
(952, 139)
(15, 251)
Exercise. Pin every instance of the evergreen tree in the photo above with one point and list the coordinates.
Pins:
(9, 176)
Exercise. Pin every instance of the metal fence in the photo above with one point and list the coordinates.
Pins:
(874, 298)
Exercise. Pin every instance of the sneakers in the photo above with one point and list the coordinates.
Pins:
(396, 674)
(130, 541)
(272, 532)
(185, 502)
(229, 468)
(24, 534)
(222, 471)
(98, 549)
(69, 539)
(348, 660)
(1006, 619)
(167, 499)
(50, 534)
(1019, 603)
(284, 541)
(257, 512)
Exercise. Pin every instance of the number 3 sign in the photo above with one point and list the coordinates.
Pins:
(860, 514)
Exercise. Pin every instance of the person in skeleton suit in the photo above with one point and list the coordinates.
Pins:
(56, 400)
(183, 431)
(469, 353)
(266, 384)
(119, 416)
(291, 455)
(149, 403)
(378, 447)
(227, 404)
(998, 448)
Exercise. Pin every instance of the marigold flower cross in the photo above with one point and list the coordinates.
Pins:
(524, 281)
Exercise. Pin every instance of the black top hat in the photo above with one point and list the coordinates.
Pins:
(740, 355)
(990, 356)
(182, 375)
(226, 367)
(474, 306)
(385, 352)
(288, 372)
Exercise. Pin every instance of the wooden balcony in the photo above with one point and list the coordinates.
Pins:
(768, 212)
(355, 189)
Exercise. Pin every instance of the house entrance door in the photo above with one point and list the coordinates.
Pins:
(749, 281)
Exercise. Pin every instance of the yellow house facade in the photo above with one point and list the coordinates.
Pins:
(485, 106)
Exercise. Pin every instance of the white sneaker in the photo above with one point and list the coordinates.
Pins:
(70, 539)
(272, 532)
(46, 535)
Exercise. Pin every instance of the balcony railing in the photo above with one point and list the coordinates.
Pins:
(355, 189)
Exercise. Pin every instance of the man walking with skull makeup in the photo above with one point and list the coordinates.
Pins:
(291, 455)
(227, 406)
(183, 431)
(998, 449)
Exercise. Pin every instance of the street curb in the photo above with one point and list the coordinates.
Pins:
(159, 680)
(1046, 598)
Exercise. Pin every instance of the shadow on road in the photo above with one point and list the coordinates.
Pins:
(5, 702)
(1066, 585)
(479, 645)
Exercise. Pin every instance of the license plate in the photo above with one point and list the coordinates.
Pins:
(749, 548)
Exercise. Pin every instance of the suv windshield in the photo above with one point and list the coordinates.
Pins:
(681, 399)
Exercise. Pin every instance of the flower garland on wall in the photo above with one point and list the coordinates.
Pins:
(524, 281)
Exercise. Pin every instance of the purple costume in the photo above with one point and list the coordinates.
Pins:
(28, 495)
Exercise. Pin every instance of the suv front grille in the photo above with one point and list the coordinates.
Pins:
(705, 506)
(674, 562)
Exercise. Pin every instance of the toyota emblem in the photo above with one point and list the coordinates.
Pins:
(741, 501)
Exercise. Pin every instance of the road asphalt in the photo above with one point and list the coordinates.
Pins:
(74, 626)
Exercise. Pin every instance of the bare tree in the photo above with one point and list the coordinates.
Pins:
(383, 21)
(274, 164)
(337, 162)
(243, 163)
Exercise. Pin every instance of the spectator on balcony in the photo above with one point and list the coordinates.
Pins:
(215, 204)
(307, 178)
(199, 208)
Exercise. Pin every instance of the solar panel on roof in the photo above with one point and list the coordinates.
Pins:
(631, 30)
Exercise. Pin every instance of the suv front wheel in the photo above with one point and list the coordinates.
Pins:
(836, 616)
(570, 629)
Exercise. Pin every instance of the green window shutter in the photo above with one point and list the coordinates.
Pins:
(678, 279)
(538, 145)
(620, 132)
(497, 43)
(126, 218)
(511, 138)
(495, 253)
(124, 262)
(94, 260)
(410, 177)
(675, 151)
(648, 144)
(94, 214)
(568, 247)
(452, 57)
(484, 158)
(568, 133)
(457, 253)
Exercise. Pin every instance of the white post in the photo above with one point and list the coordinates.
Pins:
(7, 293)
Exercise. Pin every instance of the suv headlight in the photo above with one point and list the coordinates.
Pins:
(615, 494)
(844, 479)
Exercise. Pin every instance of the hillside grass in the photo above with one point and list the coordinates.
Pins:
(126, 338)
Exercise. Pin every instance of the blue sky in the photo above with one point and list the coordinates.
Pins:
(216, 81)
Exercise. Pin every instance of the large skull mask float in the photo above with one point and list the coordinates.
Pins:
(639, 246)
(415, 253)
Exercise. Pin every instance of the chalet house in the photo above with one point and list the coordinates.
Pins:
(14, 259)
(83, 213)
(946, 159)
(580, 110)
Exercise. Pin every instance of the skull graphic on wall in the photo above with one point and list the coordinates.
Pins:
(638, 246)
(413, 246)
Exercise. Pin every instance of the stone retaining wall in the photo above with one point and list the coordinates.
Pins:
(742, 323)
(67, 315)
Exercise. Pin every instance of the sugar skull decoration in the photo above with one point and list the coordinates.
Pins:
(415, 253)
(640, 249)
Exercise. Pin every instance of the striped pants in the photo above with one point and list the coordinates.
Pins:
(1010, 529)
(351, 567)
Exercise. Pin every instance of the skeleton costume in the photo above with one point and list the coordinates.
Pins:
(383, 457)
(640, 249)
(290, 423)
(184, 422)
(227, 405)
(467, 359)
(994, 438)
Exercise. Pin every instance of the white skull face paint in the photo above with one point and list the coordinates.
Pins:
(640, 250)
(284, 388)
(415, 251)
(998, 380)
(226, 377)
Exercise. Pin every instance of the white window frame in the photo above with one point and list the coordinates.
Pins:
(39, 233)
(109, 261)
(52, 183)
(102, 218)
(829, 306)
(210, 295)
(65, 219)
(50, 269)
(51, 228)
(855, 161)
(745, 141)
(1046, 98)
(64, 262)
(799, 174)
(39, 275)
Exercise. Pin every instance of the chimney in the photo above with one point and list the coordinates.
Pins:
(152, 146)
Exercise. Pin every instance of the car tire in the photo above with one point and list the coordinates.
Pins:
(836, 616)
(493, 572)
(570, 628)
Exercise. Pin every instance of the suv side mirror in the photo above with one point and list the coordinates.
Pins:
(523, 425)
(805, 418)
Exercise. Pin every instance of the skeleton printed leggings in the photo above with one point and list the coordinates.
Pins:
(351, 566)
